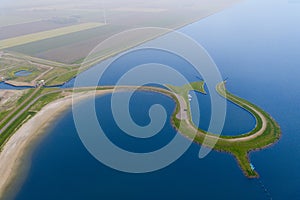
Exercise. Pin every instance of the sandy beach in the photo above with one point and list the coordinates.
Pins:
(15, 149)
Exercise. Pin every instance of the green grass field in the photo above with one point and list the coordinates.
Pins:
(11, 42)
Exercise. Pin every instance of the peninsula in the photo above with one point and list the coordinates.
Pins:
(53, 56)
(265, 133)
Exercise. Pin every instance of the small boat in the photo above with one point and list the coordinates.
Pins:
(252, 166)
(190, 97)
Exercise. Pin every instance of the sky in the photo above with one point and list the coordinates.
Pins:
(131, 3)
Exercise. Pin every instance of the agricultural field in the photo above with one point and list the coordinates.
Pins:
(9, 20)
(74, 47)
(24, 39)
(58, 39)
(32, 27)
(68, 48)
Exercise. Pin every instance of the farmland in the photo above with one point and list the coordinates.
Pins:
(29, 28)
(74, 47)
(57, 43)
(11, 42)
(9, 20)
(68, 48)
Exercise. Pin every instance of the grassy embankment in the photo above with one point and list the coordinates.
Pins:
(39, 100)
(239, 149)
(28, 113)
(17, 103)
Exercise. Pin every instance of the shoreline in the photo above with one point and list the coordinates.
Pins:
(21, 143)
(19, 84)
(247, 143)
(96, 60)
(14, 152)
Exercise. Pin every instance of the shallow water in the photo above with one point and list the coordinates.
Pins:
(11, 87)
(23, 73)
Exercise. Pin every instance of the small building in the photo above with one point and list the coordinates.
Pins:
(40, 83)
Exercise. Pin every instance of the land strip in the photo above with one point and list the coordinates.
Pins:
(12, 153)
(239, 146)
(265, 133)
(24, 39)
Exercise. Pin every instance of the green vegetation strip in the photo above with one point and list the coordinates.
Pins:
(238, 146)
(21, 104)
(27, 114)
(184, 90)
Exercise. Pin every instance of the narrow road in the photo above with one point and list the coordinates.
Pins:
(183, 105)
(183, 113)
(19, 113)
(21, 105)
(124, 88)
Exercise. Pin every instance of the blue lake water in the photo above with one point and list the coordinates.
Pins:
(256, 45)
(63, 169)
(238, 121)
(23, 73)
(6, 86)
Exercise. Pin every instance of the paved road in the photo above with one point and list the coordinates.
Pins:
(23, 110)
(215, 137)
(183, 113)
(13, 111)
